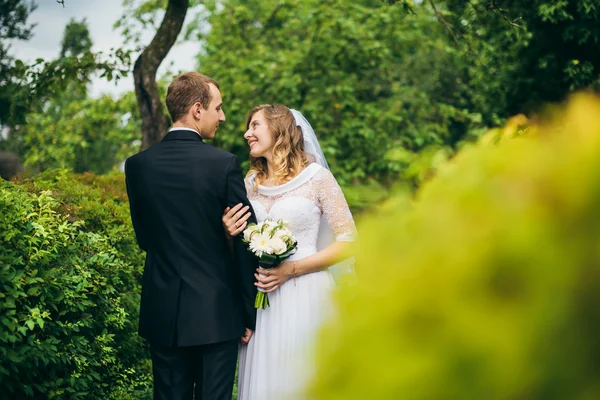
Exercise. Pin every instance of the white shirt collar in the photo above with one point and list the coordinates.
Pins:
(185, 129)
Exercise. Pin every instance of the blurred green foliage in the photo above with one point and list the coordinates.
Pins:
(370, 78)
(76, 39)
(455, 302)
(29, 87)
(80, 134)
(71, 130)
(487, 286)
(392, 88)
(70, 272)
(525, 53)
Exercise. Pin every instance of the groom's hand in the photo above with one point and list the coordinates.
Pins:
(247, 336)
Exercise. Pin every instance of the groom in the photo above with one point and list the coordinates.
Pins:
(197, 294)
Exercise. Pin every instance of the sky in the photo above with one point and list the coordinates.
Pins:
(51, 19)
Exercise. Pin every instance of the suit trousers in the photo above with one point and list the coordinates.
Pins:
(208, 371)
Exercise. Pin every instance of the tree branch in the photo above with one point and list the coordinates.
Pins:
(494, 6)
(273, 14)
(154, 121)
(476, 7)
(449, 27)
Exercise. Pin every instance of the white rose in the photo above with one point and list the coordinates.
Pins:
(286, 236)
(249, 231)
(276, 234)
(277, 245)
(270, 223)
(285, 232)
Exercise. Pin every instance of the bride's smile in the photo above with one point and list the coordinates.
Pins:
(260, 139)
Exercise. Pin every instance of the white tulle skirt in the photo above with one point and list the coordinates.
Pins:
(278, 362)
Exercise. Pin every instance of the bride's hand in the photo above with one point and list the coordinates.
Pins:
(272, 278)
(234, 220)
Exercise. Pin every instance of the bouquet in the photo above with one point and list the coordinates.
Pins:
(272, 242)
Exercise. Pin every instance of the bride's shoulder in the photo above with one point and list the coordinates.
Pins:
(312, 170)
(321, 173)
(250, 182)
(308, 174)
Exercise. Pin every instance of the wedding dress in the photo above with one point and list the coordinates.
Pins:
(278, 362)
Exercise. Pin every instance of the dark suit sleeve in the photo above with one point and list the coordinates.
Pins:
(140, 232)
(245, 262)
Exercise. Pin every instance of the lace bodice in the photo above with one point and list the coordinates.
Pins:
(303, 202)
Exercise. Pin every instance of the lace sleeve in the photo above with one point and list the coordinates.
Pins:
(334, 206)
(250, 190)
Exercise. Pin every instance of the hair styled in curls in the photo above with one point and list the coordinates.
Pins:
(289, 158)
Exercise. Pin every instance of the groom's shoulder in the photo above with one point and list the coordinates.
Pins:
(137, 160)
(219, 152)
(205, 153)
(216, 154)
(133, 159)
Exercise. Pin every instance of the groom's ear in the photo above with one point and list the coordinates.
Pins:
(197, 110)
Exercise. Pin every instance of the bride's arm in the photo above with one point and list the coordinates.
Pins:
(330, 255)
(270, 280)
(235, 219)
(335, 209)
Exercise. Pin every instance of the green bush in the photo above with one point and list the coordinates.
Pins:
(69, 298)
(488, 286)
(99, 200)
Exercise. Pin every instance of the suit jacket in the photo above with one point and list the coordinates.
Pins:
(195, 289)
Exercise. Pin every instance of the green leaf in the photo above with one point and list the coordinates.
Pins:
(30, 324)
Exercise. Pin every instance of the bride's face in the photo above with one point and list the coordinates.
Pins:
(259, 136)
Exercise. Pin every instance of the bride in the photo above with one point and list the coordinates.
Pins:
(289, 179)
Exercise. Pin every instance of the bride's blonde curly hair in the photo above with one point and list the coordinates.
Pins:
(289, 158)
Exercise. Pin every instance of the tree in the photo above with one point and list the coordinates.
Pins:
(553, 49)
(524, 54)
(154, 120)
(76, 39)
(376, 83)
(13, 25)
(70, 130)
(82, 135)
(26, 86)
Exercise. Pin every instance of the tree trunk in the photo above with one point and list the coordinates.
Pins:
(154, 120)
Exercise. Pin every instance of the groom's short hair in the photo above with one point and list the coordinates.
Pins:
(187, 89)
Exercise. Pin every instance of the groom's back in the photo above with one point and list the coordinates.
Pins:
(184, 185)
(178, 189)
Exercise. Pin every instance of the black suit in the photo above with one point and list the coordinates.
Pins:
(196, 296)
